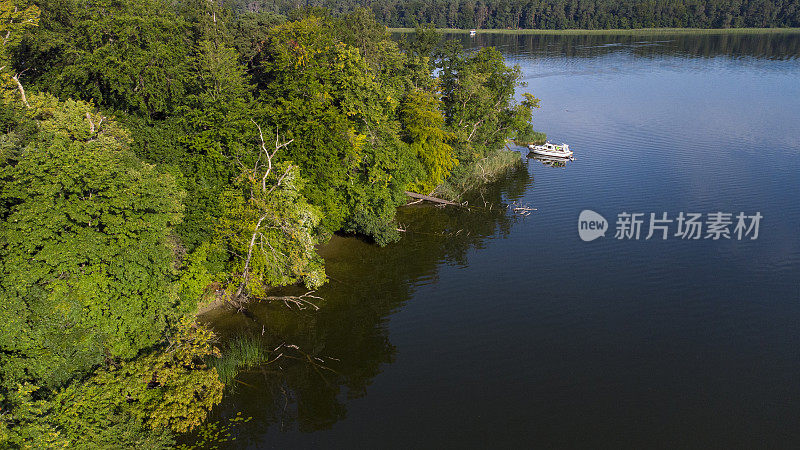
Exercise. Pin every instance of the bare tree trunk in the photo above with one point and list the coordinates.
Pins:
(21, 90)
(91, 124)
(240, 292)
(246, 270)
(430, 199)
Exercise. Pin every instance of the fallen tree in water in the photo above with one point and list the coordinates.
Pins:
(431, 199)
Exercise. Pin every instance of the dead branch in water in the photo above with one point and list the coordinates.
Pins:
(523, 210)
(431, 199)
(300, 301)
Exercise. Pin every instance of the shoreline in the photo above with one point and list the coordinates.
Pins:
(216, 304)
(612, 31)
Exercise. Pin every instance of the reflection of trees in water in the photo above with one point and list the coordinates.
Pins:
(367, 284)
(768, 46)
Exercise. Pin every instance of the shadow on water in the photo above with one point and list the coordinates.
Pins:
(778, 46)
(345, 344)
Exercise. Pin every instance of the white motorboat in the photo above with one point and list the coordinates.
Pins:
(472, 32)
(552, 150)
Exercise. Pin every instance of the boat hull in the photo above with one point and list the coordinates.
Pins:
(551, 154)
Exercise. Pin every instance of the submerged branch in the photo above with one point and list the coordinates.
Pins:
(431, 199)
(301, 301)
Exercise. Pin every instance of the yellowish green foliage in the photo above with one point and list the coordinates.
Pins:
(23, 426)
(423, 122)
(199, 274)
(15, 18)
(172, 389)
(132, 404)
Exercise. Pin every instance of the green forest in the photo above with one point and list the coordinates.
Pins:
(560, 14)
(159, 157)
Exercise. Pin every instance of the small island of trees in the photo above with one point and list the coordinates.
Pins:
(157, 157)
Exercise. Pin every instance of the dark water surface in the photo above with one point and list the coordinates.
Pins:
(480, 328)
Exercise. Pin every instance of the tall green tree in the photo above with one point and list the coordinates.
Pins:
(478, 95)
(270, 228)
(130, 56)
(86, 264)
(423, 122)
(215, 134)
(324, 95)
(16, 18)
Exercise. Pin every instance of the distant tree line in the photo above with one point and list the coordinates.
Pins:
(558, 14)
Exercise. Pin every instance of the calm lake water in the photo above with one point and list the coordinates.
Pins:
(481, 328)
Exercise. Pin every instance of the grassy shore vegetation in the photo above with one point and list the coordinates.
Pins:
(159, 155)
(485, 170)
(533, 137)
(240, 353)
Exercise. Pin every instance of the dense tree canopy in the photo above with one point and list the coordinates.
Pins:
(132, 404)
(330, 101)
(86, 263)
(154, 156)
(128, 56)
(15, 20)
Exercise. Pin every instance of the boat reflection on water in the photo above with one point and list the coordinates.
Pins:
(549, 161)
